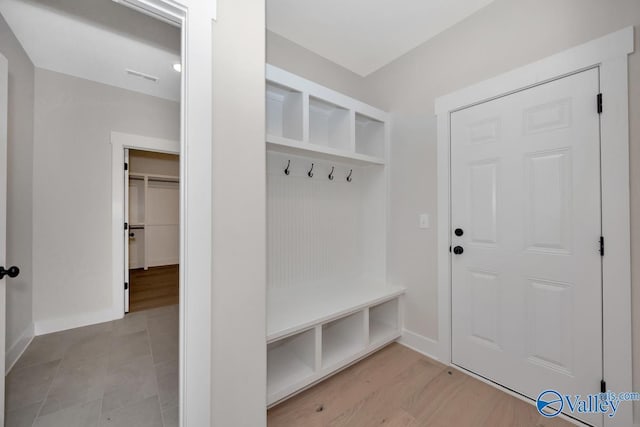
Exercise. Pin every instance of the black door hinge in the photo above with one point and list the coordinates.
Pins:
(126, 226)
(603, 386)
(601, 245)
(126, 285)
(126, 166)
(599, 103)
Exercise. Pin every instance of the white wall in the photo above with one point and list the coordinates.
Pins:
(239, 208)
(19, 193)
(72, 191)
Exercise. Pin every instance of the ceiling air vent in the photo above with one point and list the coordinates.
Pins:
(138, 74)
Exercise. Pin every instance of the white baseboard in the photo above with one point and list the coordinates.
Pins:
(425, 345)
(18, 347)
(48, 326)
(164, 262)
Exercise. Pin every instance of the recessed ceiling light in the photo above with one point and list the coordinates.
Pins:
(177, 67)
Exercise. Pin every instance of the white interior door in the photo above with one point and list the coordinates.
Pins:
(526, 290)
(127, 231)
(4, 69)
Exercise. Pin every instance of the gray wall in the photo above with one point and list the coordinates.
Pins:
(292, 57)
(19, 185)
(72, 188)
(503, 36)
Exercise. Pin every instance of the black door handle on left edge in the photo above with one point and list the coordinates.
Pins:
(458, 250)
(11, 272)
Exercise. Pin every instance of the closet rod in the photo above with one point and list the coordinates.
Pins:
(176, 180)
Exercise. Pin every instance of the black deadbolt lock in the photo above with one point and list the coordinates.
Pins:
(459, 232)
(11, 272)
(458, 250)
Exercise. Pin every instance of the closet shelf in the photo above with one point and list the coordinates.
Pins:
(154, 177)
(291, 310)
(290, 146)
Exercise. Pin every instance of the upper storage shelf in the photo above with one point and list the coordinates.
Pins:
(284, 112)
(306, 118)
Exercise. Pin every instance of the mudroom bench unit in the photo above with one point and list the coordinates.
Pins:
(329, 303)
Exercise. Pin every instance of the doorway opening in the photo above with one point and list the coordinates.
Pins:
(152, 236)
(114, 69)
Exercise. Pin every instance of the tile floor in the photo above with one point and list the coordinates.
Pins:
(122, 373)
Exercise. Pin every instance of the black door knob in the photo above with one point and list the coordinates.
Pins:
(459, 232)
(11, 272)
(132, 234)
(458, 250)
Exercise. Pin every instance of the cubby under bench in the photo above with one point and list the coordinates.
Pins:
(316, 331)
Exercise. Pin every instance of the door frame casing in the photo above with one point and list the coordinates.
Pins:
(4, 143)
(195, 19)
(610, 55)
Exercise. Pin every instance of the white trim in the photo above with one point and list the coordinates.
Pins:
(48, 326)
(18, 347)
(162, 262)
(609, 53)
(423, 345)
(4, 108)
(612, 46)
(166, 10)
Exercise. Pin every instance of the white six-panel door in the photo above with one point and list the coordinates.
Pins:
(525, 193)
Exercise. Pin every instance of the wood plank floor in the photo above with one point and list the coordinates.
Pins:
(399, 387)
(155, 287)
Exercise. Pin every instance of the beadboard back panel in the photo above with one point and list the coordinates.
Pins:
(317, 228)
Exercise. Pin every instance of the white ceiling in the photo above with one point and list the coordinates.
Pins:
(365, 35)
(98, 40)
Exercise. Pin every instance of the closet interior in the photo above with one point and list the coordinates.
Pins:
(329, 303)
(154, 222)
